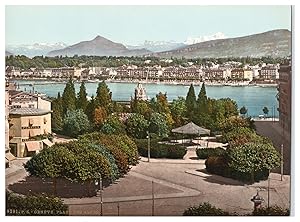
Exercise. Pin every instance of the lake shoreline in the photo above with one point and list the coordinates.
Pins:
(174, 83)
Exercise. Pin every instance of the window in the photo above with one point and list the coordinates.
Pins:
(13, 148)
(31, 105)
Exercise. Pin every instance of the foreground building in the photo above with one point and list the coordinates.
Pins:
(29, 122)
(284, 98)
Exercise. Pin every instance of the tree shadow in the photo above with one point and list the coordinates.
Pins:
(64, 187)
(194, 158)
(213, 178)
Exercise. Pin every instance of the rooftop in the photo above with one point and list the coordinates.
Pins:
(25, 111)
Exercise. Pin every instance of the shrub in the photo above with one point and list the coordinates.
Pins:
(207, 152)
(217, 165)
(73, 161)
(35, 205)
(160, 150)
(205, 209)
(253, 157)
(271, 211)
(239, 135)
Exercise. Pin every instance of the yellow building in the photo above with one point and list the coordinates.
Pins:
(26, 123)
(248, 74)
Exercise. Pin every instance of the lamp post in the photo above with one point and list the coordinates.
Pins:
(148, 137)
(257, 200)
(101, 196)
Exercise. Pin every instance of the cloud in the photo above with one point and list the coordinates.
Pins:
(194, 40)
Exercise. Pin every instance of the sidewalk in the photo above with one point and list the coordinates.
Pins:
(275, 180)
(183, 192)
(172, 161)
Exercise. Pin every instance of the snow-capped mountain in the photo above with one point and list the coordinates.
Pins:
(36, 49)
(194, 40)
(157, 46)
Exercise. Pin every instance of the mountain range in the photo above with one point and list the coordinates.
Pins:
(157, 46)
(99, 46)
(36, 49)
(275, 43)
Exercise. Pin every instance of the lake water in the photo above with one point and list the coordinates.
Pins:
(254, 98)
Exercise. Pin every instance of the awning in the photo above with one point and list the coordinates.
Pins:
(47, 142)
(191, 128)
(33, 145)
(9, 156)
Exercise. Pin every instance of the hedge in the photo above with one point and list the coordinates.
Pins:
(160, 150)
(205, 209)
(18, 205)
(207, 152)
(271, 211)
(219, 165)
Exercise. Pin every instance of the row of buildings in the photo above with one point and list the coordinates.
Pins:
(217, 73)
(27, 123)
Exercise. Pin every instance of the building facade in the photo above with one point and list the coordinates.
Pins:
(284, 98)
(26, 123)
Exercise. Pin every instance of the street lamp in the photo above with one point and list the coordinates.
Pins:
(148, 137)
(100, 188)
(257, 200)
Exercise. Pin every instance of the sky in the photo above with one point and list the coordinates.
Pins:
(134, 24)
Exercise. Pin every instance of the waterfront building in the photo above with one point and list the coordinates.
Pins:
(248, 74)
(12, 72)
(214, 74)
(140, 92)
(269, 73)
(237, 74)
(284, 98)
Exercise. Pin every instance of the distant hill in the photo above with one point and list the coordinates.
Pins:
(276, 43)
(7, 53)
(157, 46)
(99, 46)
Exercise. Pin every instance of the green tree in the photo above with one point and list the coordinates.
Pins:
(178, 110)
(90, 110)
(82, 101)
(158, 125)
(100, 116)
(137, 126)
(230, 106)
(143, 108)
(103, 97)
(57, 115)
(252, 158)
(113, 125)
(266, 110)
(76, 123)
(202, 100)
(190, 102)
(69, 97)
(243, 111)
